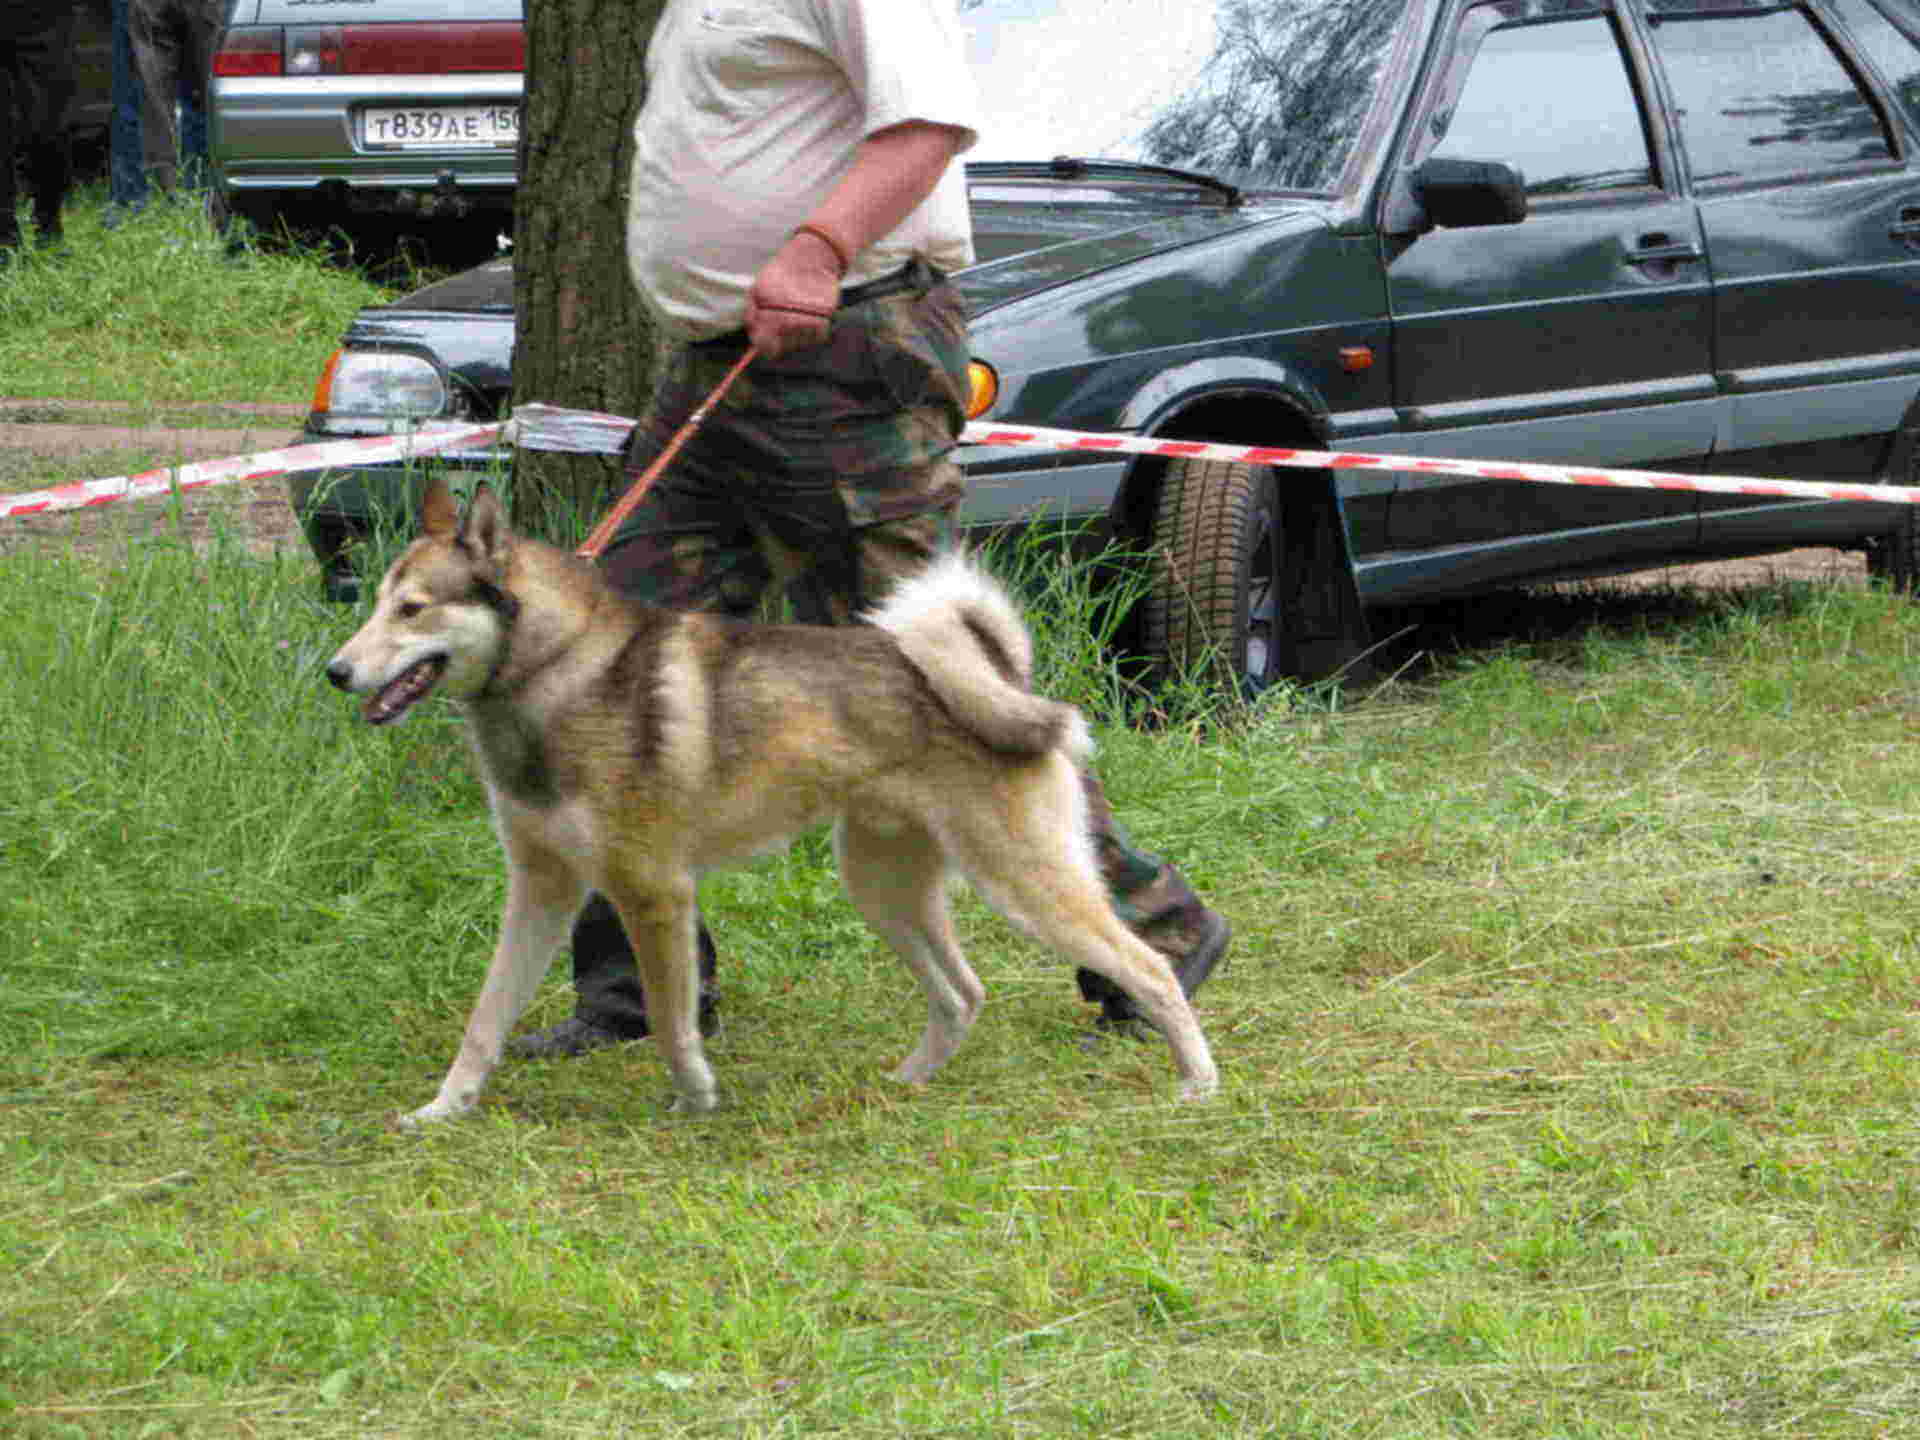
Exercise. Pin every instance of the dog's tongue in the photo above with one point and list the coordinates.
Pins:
(393, 700)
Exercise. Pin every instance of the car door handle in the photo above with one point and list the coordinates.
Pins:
(1659, 246)
(1907, 227)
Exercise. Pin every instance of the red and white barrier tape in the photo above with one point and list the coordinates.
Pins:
(977, 434)
(548, 427)
(258, 466)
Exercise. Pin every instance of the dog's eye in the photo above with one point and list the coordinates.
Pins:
(407, 609)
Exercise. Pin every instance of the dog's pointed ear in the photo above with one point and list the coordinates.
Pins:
(484, 530)
(438, 515)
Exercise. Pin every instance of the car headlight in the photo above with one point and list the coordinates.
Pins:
(387, 384)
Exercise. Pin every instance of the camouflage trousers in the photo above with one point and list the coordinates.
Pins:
(819, 480)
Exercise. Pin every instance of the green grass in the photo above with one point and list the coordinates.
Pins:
(1567, 1052)
(1567, 1049)
(157, 313)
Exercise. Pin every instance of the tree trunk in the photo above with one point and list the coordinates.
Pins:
(582, 337)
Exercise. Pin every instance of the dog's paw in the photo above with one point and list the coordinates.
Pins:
(917, 1070)
(430, 1114)
(1201, 1087)
(703, 1103)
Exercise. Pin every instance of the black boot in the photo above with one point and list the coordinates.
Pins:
(1154, 900)
(1193, 939)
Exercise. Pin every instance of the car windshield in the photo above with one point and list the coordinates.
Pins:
(1262, 94)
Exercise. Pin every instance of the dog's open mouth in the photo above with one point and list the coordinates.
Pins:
(399, 695)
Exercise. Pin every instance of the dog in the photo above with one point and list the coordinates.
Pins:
(625, 749)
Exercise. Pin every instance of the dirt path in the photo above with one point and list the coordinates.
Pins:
(36, 452)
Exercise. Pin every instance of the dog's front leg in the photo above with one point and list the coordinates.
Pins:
(661, 923)
(542, 901)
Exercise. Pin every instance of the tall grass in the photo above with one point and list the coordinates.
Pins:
(162, 312)
(1567, 1045)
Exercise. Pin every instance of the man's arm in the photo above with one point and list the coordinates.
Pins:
(798, 289)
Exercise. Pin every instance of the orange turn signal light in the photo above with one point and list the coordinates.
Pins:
(983, 388)
(1356, 358)
(323, 387)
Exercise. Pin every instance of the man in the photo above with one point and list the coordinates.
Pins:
(36, 85)
(136, 117)
(794, 189)
(172, 44)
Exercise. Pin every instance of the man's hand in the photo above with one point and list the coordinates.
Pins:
(794, 296)
(796, 292)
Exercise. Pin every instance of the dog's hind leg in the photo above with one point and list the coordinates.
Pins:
(1122, 957)
(1071, 913)
(661, 925)
(542, 900)
(1032, 862)
(896, 878)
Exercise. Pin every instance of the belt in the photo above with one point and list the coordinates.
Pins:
(916, 277)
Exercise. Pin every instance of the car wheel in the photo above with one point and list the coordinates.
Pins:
(1216, 547)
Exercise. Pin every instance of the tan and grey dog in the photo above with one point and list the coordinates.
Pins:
(626, 749)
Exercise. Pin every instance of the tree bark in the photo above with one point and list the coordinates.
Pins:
(582, 337)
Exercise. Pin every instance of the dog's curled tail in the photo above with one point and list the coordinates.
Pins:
(961, 631)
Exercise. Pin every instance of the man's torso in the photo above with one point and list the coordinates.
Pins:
(753, 113)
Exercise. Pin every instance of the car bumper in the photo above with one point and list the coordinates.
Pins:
(302, 134)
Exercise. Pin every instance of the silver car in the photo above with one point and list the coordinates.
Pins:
(323, 110)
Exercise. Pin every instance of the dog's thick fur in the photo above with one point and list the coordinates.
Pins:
(626, 749)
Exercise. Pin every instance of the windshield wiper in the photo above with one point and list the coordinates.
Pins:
(1072, 167)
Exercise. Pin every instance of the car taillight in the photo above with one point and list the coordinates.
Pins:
(249, 50)
(477, 47)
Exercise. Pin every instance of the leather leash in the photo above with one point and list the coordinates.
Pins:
(591, 547)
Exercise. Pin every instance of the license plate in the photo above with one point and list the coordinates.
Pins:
(438, 127)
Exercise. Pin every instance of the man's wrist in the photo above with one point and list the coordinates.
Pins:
(842, 254)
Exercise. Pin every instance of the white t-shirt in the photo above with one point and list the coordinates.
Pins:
(754, 109)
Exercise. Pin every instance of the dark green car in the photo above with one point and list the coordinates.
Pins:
(1673, 234)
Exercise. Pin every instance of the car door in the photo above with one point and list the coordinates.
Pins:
(1809, 198)
(1580, 334)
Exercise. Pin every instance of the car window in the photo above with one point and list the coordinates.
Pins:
(1760, 93)
(1265, 94)
(1552, 97)
(1895, 54)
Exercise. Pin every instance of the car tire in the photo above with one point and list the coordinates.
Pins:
(1215, 552)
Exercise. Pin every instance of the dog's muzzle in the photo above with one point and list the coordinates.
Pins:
(390, 701)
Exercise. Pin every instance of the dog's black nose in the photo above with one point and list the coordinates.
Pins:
(341, 674)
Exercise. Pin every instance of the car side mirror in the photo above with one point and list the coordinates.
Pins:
(1459, 194)
(1464, 193)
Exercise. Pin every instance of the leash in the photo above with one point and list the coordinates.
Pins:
(603, 533)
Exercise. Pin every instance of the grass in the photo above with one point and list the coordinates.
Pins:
(158, 314)
(1566, 1043)
(1569, 1079)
